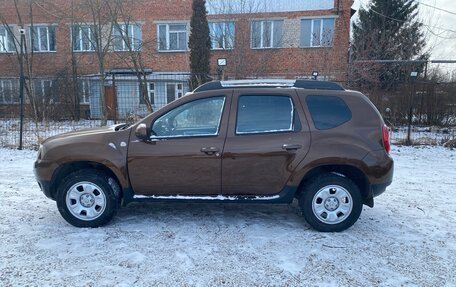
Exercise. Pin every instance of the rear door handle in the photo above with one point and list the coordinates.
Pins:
(210, 150)
(291, 146)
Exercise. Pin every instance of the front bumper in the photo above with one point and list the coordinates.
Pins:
(41, 169)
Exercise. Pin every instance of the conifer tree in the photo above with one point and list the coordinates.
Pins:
(199, 44)
(388, 30)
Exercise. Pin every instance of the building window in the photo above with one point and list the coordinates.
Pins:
(44, 92)
(83, 38)
(151, 92)
(267, 34)
(127, 37)
(317, 32)
(222, 35)
(84, 92)
(43, 38)
(172, 37)
(174, 91)
(6, 40)
(7, 94)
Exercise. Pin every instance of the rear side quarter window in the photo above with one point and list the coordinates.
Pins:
(328, 112)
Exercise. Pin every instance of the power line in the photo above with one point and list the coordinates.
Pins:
(437, 8)
(407, 21)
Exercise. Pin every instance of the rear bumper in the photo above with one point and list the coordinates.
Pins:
(377, 189)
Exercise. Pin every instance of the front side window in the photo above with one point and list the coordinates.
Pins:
(6, 40)
(172, 37)
(197, 118)
(83, 38)
(127, 37)
(264, 114)
(317, 32)
(328, 112)
(222, 35)
(266, 34)
(43, 38)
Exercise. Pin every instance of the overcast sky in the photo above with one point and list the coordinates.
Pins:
(441, 43)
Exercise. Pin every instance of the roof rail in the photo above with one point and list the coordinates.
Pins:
(270, 83)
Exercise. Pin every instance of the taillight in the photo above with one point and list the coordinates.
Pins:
(386, 138)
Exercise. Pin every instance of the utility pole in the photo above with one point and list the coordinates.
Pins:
(21, 84)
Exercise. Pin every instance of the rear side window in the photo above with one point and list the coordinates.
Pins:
(264, 114)
(328, 111)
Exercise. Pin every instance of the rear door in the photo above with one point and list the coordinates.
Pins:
(267, 137)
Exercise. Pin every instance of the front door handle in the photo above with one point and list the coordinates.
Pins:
(291, 146)
(210, 150)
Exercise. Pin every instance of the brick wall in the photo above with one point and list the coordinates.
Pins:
(242, 61)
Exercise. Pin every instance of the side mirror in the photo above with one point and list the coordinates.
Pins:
(141, 132)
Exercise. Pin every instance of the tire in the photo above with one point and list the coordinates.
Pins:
(88, 198)
(330, 202)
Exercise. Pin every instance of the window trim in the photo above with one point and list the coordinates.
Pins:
(168, 50)
(321, 19)
(85, 92)
(224, 27)
(149, 90)
(216, 134)
(38, 30)
(4, 48)
(176, 91)
(293, 116)
(272, 21)
(121, 27)
(11, 87)
(43, 92)
(79, 38)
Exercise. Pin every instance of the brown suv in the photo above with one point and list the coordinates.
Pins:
(265, 141)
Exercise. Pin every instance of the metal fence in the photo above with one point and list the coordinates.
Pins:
(61, 104)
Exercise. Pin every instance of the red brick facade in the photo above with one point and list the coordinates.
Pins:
(290, 61)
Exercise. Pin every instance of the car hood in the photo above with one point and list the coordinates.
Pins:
(79, 134)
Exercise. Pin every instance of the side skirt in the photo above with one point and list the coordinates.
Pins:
(283, 197)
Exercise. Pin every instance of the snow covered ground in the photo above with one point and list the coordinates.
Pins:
(408, 238)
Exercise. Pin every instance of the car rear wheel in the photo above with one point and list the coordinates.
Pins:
(88, 198)
(330, 203)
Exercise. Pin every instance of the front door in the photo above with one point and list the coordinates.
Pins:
(183, 156)
(267, 138)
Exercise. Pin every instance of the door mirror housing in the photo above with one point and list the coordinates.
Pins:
(141, 132)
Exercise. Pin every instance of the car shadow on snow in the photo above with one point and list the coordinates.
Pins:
(203, 213)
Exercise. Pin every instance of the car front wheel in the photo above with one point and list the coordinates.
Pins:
(88, 198)
(330, 203)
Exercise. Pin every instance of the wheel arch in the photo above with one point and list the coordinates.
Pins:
(64, 170)
(354, 173)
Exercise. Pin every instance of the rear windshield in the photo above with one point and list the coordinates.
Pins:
(328, 111)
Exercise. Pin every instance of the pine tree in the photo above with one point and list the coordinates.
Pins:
(388, 30)
(199, 44)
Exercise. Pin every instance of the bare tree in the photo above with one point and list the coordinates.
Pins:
(133, 47)
(93, 32)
